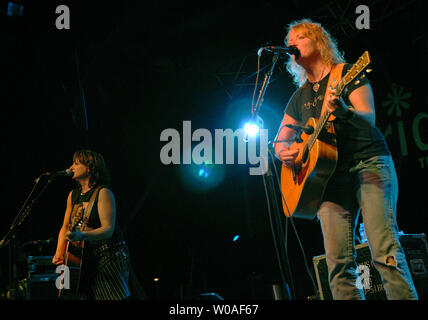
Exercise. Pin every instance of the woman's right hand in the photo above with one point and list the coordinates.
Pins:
(288, 156)
(58, 259)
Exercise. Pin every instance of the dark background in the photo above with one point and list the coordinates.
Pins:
(133, 69)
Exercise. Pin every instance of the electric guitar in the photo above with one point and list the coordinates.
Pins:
(303, 183)
(68, 288)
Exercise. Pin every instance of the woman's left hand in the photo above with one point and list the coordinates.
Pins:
(335, 105)
(74, 236)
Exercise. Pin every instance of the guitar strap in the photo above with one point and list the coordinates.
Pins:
(333, 81)
(90, 205)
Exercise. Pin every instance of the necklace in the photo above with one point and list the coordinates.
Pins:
(316, 85)
(83, 193)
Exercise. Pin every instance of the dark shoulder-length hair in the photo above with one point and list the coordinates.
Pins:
(98, 173)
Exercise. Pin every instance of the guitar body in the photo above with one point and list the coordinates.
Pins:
(303, 184)
(73, 260)
(73, 257)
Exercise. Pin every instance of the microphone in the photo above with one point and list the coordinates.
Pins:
(66, 172)
(308, 130)
(277, 49)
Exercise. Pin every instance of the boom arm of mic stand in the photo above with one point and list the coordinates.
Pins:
(266, 81)
(21, 216)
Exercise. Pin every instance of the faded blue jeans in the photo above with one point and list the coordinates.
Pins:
(372, 186)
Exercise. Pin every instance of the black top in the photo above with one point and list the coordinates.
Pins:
(353, 144)
(77, 199)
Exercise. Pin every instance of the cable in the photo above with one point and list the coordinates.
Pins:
(272, 186)
(255, 86)
(294, 227)
(273, 231)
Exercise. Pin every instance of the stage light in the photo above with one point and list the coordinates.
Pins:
(203, 173)
(238, 114)
(253, 126)
(202, 177)
(235, 238)
(14, 9)
(251, 129)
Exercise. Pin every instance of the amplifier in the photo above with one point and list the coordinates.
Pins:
(40, 265)
(40, 283)
(40, 287)
(416, 251)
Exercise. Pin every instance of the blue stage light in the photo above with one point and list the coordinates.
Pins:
(251, 129)
(203, 173)
(202, 178)
(14, 9)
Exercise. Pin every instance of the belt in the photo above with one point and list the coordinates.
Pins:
(109, 246)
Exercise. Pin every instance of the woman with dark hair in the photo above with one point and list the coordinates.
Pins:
(106, 261)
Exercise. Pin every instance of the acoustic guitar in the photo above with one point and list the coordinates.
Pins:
(73, 259)
(303, 183)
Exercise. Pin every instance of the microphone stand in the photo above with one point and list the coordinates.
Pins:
(277, 226)
(266, 81)
(10, 237)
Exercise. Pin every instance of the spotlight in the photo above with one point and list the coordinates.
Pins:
(252, 127)
(235, 238)
(202, 177)
(203, 173)
(14, 9)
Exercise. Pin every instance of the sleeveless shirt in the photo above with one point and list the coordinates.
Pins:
(77, 199)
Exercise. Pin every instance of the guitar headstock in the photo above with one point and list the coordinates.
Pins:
(358, 70)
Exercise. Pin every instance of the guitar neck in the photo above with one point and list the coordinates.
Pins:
(324, 117)
(317, 130)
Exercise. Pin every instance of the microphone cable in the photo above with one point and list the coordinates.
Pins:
(294, 227)
(255, 86)
(276, 246)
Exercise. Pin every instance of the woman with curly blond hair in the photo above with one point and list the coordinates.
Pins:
(364, 179)
(327, 48)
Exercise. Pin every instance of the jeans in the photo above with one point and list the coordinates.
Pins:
(370, 186)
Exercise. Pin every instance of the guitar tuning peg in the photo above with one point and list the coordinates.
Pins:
(363, 76)
(369, 70)
(357, 82)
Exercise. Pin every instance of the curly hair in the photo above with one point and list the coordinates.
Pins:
(330, 54)
(98, 173)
